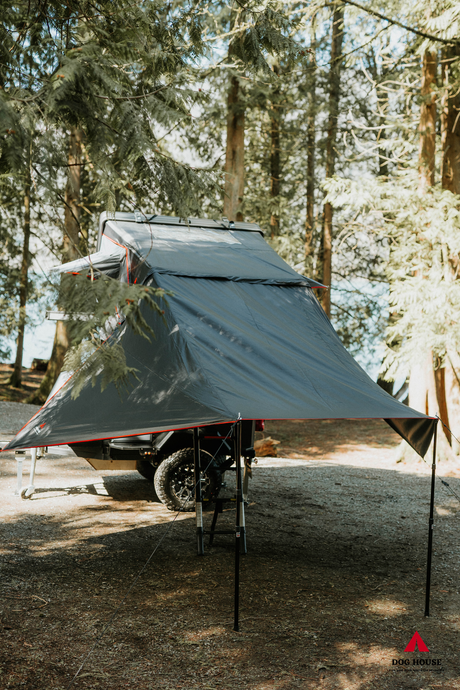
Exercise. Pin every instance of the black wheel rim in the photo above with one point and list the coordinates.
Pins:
(182, 484)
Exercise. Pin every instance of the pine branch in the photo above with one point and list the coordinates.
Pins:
(131, 98)
(395, 22)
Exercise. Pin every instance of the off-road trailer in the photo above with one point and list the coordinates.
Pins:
(164, 458)
(167, 459)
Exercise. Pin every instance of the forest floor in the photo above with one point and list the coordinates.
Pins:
(332, 586)
(31, 379)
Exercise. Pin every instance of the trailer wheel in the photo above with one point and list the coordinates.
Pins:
(175, 480)
(146, 469)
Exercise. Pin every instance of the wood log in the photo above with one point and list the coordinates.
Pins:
(266, 446)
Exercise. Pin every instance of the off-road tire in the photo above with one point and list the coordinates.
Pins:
(175, 480)
(146, 469)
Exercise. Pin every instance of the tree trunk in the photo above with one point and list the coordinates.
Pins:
(72, 198)
(275, 169)
(16, 376)
(379, 73)
(383, 153)
(383, 106)
(450, 178)
(427, 394)
(311, 150)
(427, 127)
(334, 95)
(69, 253)
(452, 384)
(450, 124)
(427, 155)
(441, 399)
(427, 382)
(421, 370)
(327, 258)
(234, 157)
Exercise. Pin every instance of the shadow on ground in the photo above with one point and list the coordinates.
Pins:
(332, 588)
(129, 487)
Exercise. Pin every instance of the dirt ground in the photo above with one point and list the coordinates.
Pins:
(332, 586)
(31, 379)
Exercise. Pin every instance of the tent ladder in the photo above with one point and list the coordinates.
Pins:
(430, 527)
(198, 493)
(219, 503)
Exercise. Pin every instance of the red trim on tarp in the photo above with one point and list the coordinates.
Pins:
(197, 426)
(126, 250)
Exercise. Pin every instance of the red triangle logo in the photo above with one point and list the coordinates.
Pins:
(416, 640)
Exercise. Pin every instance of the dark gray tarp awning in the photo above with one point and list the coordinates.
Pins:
(226, 348)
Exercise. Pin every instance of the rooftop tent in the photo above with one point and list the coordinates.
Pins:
(243, 335)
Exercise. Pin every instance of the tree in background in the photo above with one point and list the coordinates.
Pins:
(275, 155)
(448, 376)
(333, 116)
(422, 387)
(234, 153)
(16, 376)
(418, 218)
(312, 109)
(70, 251)
(11, 218)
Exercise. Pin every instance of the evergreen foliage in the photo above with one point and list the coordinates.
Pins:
(112, 304)
(421, 234)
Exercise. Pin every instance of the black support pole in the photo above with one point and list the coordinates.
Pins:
(430, 528)
(239, 532)
(198, 493)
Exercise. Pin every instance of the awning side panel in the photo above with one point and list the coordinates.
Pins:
(417, 433)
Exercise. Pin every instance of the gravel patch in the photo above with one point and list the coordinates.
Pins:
(13, 416)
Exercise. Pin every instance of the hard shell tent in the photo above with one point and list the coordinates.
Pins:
(243, 336)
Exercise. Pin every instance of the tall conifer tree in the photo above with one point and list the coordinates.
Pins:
(333, 115)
